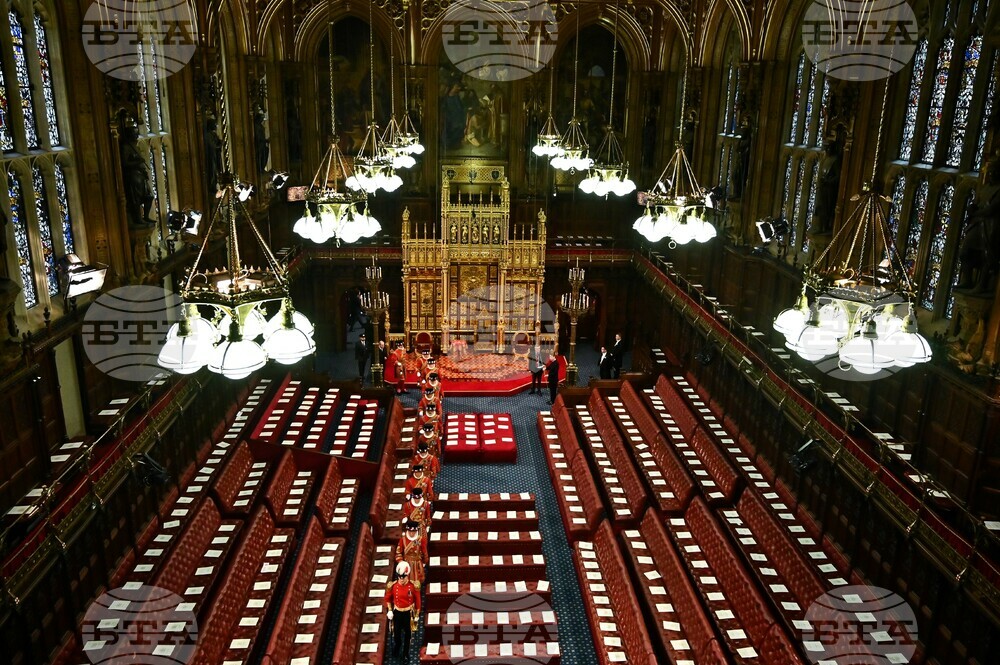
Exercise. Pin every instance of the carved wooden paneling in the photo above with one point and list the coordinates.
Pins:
(21, 466)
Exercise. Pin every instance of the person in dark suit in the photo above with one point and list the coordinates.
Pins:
(618, 353)
(361, 355)
(536, 367)
(607, 363)
(553, 369)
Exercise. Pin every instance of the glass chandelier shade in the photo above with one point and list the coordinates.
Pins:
(190, 346)
(237, 358)
(289, 343)
(396, 146)
(408, 135)
(373, 166)
(573, 149)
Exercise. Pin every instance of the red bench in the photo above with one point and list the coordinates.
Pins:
(288, 492)
(235, 617)
(625, 496)
(274, 420)
(579, 502)
(740, 612)
(315, 437)
(366, 429)
(242, 479)
(300, 417)
(676, 405)
(336, 499)
(611, 605)
(721, 471)
(199, 555)
(668, 484)
(684, 630)
(362, 630)
(305, 610)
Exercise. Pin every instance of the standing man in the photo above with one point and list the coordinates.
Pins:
(402, 600)
(553, 369)
(618, 353)
(536, 367)
(361, 355)
(412, 549)
(607, 363)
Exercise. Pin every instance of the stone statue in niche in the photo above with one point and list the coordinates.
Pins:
(465, 232)
(475, 234)
(496, 233)
(486, 234)
(827, 188)
(213, 156)
(980, 250)
(453, 232)
(260, 141)
(135, 177)
(741, 163)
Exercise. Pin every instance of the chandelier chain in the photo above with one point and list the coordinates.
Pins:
(614, 62)
(371, 59)
(576, 60)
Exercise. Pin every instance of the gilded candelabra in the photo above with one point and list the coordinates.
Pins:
(375, 304)
(575, 304)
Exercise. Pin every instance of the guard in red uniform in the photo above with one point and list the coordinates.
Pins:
(430, 414)
(430, 395)
(431, 464)
(402, 601)
(430, 437)
(399, 367)
(419, 479)
(418, 510)
(413, 550)
(434, 382)
(422, 367)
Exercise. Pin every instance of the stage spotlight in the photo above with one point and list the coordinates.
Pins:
(772, 229)
(244, 191)
(77, 278)
(176, 220)
(192, 221)
(279, 180)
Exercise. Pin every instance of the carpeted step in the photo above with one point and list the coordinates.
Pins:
(486, 543)
(475, 568)
(492, 626)
(476, 501)
(501, 520)
(436, 653)
(440, 596)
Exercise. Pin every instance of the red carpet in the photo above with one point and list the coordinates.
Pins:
(479, 437)
(480, 375)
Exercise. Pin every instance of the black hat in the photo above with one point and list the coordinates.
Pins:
(426, 352)
(432, 405)
(418, 467)
(428, 427)
(433, 376)
(361, 336)
(412, 525)
(428, 390)
(417, 492)
(422, 447)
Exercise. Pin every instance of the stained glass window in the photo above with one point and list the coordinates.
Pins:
(155, 83)
(811, 205)
(788, 183)
(796, 95)
(45, 65)
(6, 137)
(21, 241)
(798, 200)
(918, 212)
(64, 215)
(939, 238)
(896, 208)
(807, 115)
(956, 272)
(722, 164)
(141, 73)
(987, 112)
(23, 79)
(935, 113)
(913, 100)
(960, 118)
(166, 176)
(45, 230)
(821, 121)
(153, 184)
